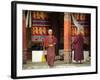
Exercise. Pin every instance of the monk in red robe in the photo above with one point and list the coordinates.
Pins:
(49, 43)
(78, 47)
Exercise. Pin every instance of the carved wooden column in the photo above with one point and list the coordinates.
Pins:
(67, 37)
(24, 38)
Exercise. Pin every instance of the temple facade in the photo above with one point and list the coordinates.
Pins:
(36, 24)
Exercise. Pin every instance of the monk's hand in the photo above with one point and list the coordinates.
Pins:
(50, 45)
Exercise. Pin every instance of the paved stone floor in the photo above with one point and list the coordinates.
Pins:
(58, 64)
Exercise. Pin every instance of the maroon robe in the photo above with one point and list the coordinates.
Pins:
(50, 40)
(78, 47)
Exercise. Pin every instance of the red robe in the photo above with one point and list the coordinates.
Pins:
(50, 40)
(78, 47)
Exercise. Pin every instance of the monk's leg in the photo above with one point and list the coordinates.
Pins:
(52, 62)
(51, 56)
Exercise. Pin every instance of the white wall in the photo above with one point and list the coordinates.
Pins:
(5, 40)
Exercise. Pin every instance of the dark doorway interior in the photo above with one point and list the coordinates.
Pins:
(56, 23)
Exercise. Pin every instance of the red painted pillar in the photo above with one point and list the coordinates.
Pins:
(24, 38)
(67, 37)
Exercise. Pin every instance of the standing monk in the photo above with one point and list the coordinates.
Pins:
(78, 47)
(49, 43)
